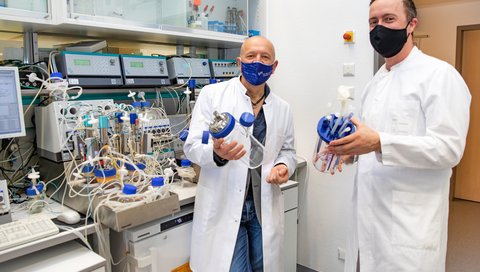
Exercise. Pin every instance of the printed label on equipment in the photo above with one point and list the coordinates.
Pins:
(73, 81)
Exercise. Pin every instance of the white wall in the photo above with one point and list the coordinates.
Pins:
(309, 45)
(440, 23)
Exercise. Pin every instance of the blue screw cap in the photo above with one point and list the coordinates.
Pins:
(325, 127)
(32, 192)
(247, 119)
(119, 116)
(183, 135)
(205, 136)
(56, 74)
(227, 129)
(133, 118)
(158, 181)
(145, 104)
(191, 84)
(129, 189)
(185, 163)
(87, 168)
(137, 104)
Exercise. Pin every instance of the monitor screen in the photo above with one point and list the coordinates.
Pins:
(11, 109)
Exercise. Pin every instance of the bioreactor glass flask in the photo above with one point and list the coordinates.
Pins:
(225, 126)
(331, 127)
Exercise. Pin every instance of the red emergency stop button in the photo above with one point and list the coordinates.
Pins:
(348, 37)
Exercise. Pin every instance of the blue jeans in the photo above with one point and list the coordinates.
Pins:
(248, 252)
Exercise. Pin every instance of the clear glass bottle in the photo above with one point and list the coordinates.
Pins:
(129, 194)
(225, 126)
(158, 187)
(35, 195)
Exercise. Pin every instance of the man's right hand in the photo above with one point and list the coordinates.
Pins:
(232, 151)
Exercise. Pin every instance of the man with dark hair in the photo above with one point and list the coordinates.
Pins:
(412, 131)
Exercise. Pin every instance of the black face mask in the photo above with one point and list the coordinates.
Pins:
(388, 42)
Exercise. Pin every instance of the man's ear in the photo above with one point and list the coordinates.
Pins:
(275, 64)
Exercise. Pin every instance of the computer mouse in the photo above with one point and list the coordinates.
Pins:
(69, 217)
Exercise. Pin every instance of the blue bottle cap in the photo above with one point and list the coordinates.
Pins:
(56, 74)
(191, 84)
(145, 104)
(103, 121)
(325, 126)
(87, 168)
(184, 134)
(213, 81)
(247, 119)
(119, 116)
(158, 181)
(185, 163)
(227, 129)
(137, 104)
(32, 192)
(133, 118)
(129, 189)
(205, 136)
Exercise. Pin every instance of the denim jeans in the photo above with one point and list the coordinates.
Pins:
(248, 252)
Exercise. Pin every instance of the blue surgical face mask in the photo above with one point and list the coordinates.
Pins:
(256, 73)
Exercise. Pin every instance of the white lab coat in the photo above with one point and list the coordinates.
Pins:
(221, 190)
(421, 110)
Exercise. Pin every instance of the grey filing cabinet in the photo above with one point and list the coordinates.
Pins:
(290, 198)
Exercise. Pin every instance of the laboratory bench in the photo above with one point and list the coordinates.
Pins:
(175, 237)
(164, 244)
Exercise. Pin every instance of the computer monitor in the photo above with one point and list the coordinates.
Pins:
(12, 123)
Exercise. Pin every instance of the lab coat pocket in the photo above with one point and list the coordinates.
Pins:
(404, 117)
(416, 220)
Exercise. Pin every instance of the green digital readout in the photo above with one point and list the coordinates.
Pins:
(81, 62)
(136, 64)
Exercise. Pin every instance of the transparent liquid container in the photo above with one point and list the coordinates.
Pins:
(331, 127)
(35, 194)
(225, 126)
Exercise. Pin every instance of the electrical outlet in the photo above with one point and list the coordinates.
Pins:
(341, 254)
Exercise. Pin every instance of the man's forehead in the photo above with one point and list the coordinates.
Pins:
(258, 45)
(386, 7)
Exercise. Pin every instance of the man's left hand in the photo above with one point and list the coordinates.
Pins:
(364, 140)
(278, 175)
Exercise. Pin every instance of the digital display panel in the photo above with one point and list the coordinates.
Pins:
(81, 62)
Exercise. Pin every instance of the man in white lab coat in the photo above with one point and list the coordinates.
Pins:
(413, 128)
(238, 219)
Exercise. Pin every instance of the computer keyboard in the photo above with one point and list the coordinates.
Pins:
(26, 230)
